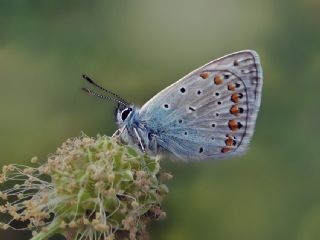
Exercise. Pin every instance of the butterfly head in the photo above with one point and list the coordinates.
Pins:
(124, 114)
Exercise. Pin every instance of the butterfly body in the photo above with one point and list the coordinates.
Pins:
(208, 114)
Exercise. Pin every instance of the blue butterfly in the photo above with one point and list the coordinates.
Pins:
(208, 114)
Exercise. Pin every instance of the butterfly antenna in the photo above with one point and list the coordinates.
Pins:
(89, 80)
(104, 97)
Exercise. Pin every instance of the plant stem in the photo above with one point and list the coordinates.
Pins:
(52, 228)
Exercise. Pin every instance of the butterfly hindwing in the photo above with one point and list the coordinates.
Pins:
(211, 112)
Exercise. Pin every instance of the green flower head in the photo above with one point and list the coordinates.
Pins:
(90, 189)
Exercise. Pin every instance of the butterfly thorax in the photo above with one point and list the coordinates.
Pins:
(134, 131)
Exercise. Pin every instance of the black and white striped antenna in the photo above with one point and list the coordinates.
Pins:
(114, 97)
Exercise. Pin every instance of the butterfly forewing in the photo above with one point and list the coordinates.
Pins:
(211, 112)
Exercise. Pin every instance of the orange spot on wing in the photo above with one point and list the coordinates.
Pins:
(233, 125)
(229, 141)
(226, 149)
(217, 80)
(204, 75)
(231, 87)
(235, 97)
(234, 110)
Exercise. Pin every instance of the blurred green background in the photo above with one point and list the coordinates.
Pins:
(137, 48)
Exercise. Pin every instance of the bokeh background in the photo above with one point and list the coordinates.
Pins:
(137, 48)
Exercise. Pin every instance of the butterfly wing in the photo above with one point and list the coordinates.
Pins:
(211, 112)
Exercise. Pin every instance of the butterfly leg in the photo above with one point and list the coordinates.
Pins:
(153, 144)
(139, 139)
(117, 134)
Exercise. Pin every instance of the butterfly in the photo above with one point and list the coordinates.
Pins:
(208, 114)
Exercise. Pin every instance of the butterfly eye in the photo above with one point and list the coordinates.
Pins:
(125, 113)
